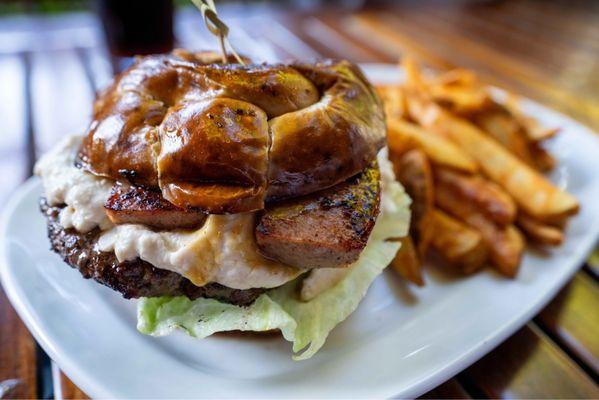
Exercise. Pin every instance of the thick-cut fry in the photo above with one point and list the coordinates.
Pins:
(393, 101)
(456, 77)
(460, 99)
(507, 131)
(459, 244)
(402, 134)
(535, 194)
(505, 244)
(534, 131)
(455, 122)
(414, 172)
(539, 232)
(485, 195)
(412, 70)
(543, 161)
(406, 262)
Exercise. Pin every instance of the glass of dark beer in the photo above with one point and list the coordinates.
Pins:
(137, 26)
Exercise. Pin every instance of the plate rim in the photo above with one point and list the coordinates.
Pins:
(432, 379)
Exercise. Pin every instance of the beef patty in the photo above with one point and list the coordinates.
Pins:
(135, 278)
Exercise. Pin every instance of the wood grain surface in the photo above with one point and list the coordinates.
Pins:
(68, 390)
(548, 51)
(17, 354)
(530, 365)
(572, 318)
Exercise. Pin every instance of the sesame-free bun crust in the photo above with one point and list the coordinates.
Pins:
(228, 138)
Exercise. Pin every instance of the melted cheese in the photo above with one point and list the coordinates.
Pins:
(82, 193)
(223, 250)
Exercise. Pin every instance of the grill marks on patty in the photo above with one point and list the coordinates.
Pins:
(135, 278)
(135, 205)
(325, 230)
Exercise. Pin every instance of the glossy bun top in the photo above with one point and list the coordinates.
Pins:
(229, 137)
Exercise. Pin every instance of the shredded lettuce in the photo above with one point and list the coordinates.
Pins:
(306, 324)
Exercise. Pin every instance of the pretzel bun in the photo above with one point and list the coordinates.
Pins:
(226, 138)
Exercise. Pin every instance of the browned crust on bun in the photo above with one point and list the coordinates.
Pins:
(229, 138)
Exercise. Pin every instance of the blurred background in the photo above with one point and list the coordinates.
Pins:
(56, 54)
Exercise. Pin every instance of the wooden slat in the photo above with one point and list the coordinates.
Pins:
(70, 390)
(500, 57)
(393, 42)
(451, 389)
(65, 389)
(577, 20)
(249, 42)
(532, 49)
(17, 354)
(287, 41)
(537, 81)
(13, 162)
(62, 98)
(571, 57)
(332, 42)
(530, 365)
(524, 25)
(440, 44)
(572, 318)
(17, 347)
(332, 22)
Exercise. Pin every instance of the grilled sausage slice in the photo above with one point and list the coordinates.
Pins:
(135, 205)
(323, 230)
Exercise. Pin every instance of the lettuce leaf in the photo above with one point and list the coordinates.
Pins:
(306, 324)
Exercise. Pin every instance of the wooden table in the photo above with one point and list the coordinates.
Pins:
(51, 67)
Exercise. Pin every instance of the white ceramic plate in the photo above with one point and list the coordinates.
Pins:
(402, 341)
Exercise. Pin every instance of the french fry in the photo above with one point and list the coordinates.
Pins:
(532, 192)
(425, 232)
(406, 262)
(539, 232)
(485, 195)
(456, 77)
(414, 172)
(402, 134)
(454, 121)
(459, 244)
(393, 101)
(412, 69)
(542, 160)
(559, 223)
(505, 244)
(507, 131)
(534, 131)
(460, 99)
(458, 89)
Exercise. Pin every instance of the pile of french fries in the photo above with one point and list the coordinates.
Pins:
(473, 168)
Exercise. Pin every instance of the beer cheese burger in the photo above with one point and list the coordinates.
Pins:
(230, 197)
